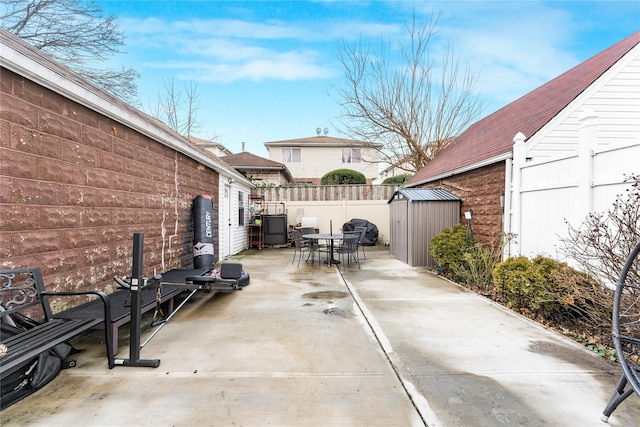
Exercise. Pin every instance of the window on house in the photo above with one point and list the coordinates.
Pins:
(240, 208)
(291, 155)
(350, 155)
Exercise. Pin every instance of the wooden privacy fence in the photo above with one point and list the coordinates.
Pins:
(316, 193)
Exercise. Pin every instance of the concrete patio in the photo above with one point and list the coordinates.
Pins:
(384, 345)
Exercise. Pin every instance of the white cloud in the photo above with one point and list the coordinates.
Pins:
(514, 47)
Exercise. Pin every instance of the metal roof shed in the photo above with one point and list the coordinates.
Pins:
(418, 214)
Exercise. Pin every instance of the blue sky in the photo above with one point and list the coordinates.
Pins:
(263, 69)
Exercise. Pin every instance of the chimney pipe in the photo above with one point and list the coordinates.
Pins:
(242, 145)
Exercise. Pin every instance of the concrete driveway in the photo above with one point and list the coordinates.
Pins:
(384, 345)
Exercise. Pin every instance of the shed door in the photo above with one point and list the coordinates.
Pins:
(398, 230)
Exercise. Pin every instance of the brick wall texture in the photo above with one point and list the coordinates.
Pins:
(480, 190)
(75, 185)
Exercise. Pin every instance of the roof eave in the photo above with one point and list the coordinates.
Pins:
(478, 165)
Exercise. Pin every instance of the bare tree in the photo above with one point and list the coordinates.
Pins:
(602, 242)
(403, 99)
(179, 110)
(76, 34)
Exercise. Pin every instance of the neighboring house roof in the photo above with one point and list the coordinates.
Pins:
(320, 141)
(491, 139)
(246, 161)
(425, 195)
(210, 144)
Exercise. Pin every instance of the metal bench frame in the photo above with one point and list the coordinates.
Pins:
(23, 291)
(120, 311)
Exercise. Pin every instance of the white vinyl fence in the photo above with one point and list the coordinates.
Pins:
(549, 194)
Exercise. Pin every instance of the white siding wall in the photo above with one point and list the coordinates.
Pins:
(239, 232)
(614, 98)
(233, 237)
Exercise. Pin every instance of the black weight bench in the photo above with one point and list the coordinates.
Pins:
(22, 292)
(121, 309)
(230, 277)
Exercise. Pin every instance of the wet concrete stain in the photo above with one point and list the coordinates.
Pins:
(568, 354)
(328, 295)
(336, 312)
(464, 398)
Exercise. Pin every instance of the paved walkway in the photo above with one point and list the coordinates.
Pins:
(384, 345)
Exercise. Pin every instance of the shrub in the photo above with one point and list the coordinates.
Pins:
(577, 298)
(447, 249)
(555, 291)
(476, 269)
(398, 179)
(520, 283)
(343, 176)
(601, 244)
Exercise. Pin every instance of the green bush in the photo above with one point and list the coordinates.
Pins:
(448, 247)
(398, 179)
(521, 284)
(555, 291)
(343, 176)
(575, 295)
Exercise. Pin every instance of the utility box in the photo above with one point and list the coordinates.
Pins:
(275, 230)
(416, 216)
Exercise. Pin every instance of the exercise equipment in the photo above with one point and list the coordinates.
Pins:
(136, 281)
(229, 278)
(203, 253)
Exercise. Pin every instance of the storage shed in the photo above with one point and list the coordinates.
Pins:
(418, 214)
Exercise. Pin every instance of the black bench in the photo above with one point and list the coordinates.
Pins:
(120, 311)
(22, 292)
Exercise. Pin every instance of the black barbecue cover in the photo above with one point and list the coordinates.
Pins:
(371, 235)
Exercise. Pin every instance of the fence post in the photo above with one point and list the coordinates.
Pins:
(587, 140)
(519, 159)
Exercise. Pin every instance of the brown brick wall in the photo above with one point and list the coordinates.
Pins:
(480, 190)
(75, 185)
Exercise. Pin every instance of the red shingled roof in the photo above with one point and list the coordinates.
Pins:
(492, 136)
(245, 161)
(251, 160)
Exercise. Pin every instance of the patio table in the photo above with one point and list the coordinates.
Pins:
(331, 238)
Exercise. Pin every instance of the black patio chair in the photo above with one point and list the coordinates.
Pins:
(349, 247)
(362, 230)
(316, 245)
(301, 246)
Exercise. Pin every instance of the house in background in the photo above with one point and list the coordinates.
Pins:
(389, 171)
(216, 148)
(576, 138)
(309, 159)
(261, 171)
